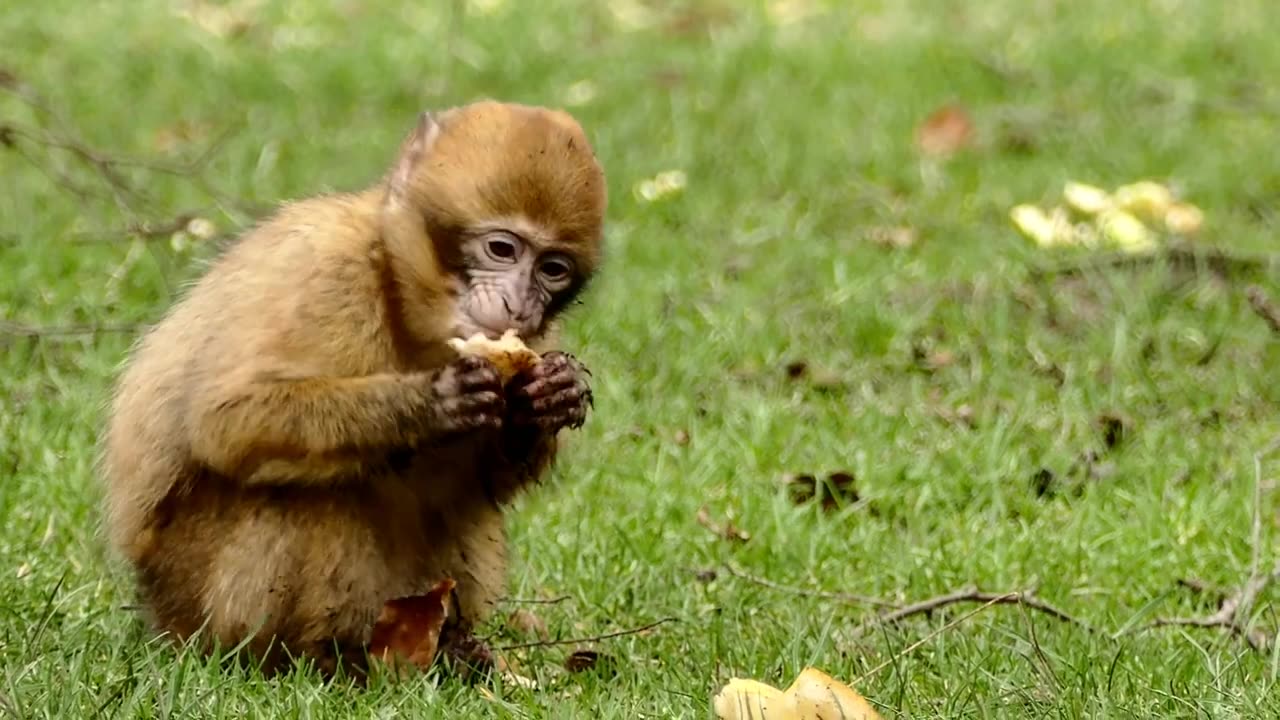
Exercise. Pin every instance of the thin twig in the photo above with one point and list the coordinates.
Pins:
(593, 638)
(537, 601)
(1263, 306)
(1232, 614)
(824, 595)
(1025, 598)
(913, 646)
(1181, 256)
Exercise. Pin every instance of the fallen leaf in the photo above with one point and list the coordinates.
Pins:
(1114, 427)
(408, 629)
(706, 575)
(1043, 482)
(945, 131)
(728, 531)
(527, 623)
(836, 491)
(585, 660)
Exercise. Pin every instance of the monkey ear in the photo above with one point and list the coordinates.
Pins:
(413, 150)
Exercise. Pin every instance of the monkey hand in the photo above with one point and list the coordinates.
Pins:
(467, 395)
(553, 394)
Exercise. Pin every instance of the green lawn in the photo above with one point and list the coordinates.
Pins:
(796, 140)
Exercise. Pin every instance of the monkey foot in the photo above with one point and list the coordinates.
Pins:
(466, 655)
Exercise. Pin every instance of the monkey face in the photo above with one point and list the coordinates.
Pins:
(513, 281)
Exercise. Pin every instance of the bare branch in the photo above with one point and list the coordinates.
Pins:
(537, 601)
(917, 644)
(593, 638)
(1263, 306)
(1025, 598)
(1233, 613)
(837, 596)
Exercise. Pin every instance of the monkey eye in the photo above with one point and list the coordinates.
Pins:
(555, 270)
(502, 249)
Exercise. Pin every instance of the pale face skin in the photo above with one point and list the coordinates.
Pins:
(515, 279)
(511, 282)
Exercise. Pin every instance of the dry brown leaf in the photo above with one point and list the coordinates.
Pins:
(408, 630)
(836, 491)
(584, 660)
(946, 131)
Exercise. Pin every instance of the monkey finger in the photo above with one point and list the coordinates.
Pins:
(562, 379)
(566, 398)
(482, 378)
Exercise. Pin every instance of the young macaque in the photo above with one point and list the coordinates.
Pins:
(297, 442)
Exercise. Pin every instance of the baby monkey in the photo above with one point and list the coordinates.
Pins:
(296, 443)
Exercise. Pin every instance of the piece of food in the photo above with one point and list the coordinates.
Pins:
(1127, 231)
(743, 699)
(1086, 199)
(1047, 230)
(1147, 200)
(508, 353)
(814, 695)
(1183, 219)
(818, 696)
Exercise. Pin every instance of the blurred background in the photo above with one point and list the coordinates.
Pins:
(812, 273)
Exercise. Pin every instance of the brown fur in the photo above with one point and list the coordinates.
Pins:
(265, 463)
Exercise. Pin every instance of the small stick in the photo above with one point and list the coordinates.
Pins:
(537, 601)
(1217, 261)
(838, 596)
(913, 646)
(1024, 598)
(1232, 614)
(1263, 306)
(593, 638)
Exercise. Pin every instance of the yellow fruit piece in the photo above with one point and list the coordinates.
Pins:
(1183, 219)
(818, 696)
(814, 695)
(1046, 230)
(1147, 200)
(1126, 231)
(744, 699)
(1086, 199)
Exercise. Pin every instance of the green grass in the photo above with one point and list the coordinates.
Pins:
(797, 144)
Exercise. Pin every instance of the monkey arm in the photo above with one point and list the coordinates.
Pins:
(320, 429)
(311, 428)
